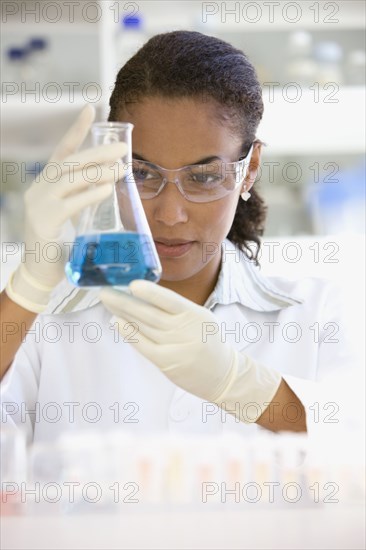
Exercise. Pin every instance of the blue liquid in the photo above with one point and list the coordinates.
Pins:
(111, 259)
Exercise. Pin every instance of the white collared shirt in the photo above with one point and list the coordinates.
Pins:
(74, 371)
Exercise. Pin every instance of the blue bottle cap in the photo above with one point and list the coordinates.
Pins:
(16, 53)
(131, 21)
(37, 43)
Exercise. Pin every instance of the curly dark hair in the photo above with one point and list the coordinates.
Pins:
(189, 64)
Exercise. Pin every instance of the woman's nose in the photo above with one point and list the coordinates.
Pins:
(170, 205)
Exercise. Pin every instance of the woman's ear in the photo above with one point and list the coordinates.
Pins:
(254, 166)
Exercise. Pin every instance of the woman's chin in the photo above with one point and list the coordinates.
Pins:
(176, 273)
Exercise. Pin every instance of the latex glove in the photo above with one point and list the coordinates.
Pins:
(170, 330)
(60, 192)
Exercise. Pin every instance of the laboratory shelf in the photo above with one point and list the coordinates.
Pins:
(332, 119)
(20, 106)
(329, 123)
(79, 28)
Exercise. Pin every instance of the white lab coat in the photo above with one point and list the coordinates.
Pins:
(75, 372)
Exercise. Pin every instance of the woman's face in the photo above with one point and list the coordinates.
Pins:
(174, 133)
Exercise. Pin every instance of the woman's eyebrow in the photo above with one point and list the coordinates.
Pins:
(205, 160)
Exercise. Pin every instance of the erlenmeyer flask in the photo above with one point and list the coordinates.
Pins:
(113, 244)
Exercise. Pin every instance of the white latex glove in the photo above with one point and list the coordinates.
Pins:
(169, 334)
(60, 192)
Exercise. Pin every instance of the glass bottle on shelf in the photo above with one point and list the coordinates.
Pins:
(113, 243)
(300, 67)
(38, 52)
(328, 55)
(130, 38)
(13, 470)
(17, 69)
(356, 68)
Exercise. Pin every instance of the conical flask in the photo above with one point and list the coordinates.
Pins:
(113, 244)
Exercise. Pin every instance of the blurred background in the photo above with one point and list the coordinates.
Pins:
(310, 59)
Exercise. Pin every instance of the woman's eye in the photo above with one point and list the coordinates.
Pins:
(142, 173)
(139, 174)
(206, 179)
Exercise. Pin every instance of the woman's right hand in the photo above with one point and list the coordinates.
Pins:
(60, 192)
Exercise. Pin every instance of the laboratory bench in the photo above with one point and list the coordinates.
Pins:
(337, 528)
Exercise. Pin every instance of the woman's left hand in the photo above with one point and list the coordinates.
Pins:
(171, 335)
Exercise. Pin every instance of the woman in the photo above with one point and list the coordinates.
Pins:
(193, 365)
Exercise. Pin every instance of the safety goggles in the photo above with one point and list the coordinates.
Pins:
(196, 182)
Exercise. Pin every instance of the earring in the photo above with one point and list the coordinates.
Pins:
(245, 195)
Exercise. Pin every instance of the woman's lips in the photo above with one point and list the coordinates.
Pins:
(173, 250)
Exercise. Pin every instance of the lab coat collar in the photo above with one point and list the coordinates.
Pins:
(239, 281)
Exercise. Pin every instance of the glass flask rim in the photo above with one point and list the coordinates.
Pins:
(109, 125)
